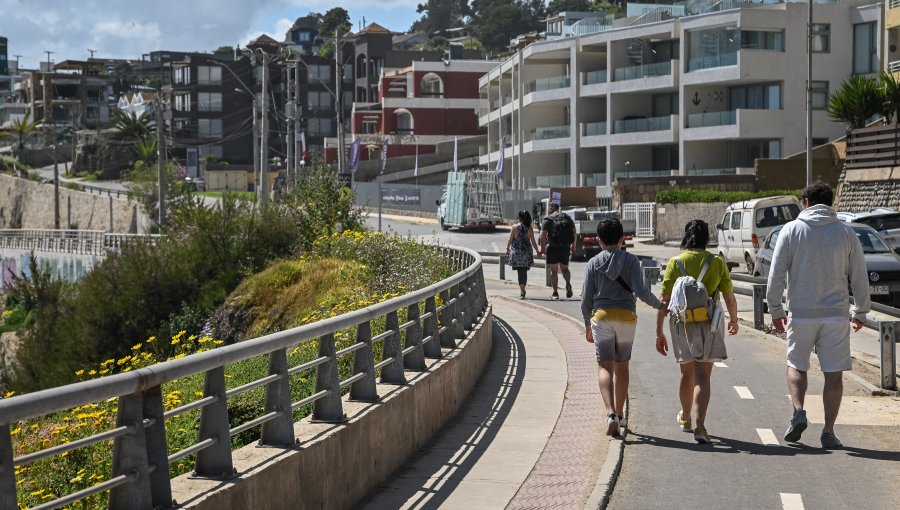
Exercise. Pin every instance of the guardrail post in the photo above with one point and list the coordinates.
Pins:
(446, 316)
(888, 333)
(392, 373)
(457, 311)
(280, 431)
(129, 457)
(7, 471)
(364, 390)
(759, 305)
(432, 348)
(504, 259)
(415, 360)
(329, 408)
(215, 461)
(157, 448)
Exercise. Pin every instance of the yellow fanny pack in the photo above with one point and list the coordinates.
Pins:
(614, 314)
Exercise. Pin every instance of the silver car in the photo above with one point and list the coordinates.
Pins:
(882, 262)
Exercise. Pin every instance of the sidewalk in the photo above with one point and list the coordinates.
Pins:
(528, 436)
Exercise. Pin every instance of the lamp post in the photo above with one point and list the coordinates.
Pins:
(245, 89)
(809, 41)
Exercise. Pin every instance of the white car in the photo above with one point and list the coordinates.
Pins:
(746, 224)
(884, 220)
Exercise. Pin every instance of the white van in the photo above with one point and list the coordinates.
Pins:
(746, 224)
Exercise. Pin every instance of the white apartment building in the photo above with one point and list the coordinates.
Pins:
(699, 94)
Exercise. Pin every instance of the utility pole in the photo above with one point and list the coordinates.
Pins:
(338, 101)
(92, 52)
(48, 112)
(161, 157)
(290, 109)
(809, 115)
(264, 144)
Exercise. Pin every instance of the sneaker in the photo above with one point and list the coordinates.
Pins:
(701, 436)
(522, 295)
(612, 425)
(684, 424)
(554, 296)
(569, 292)
(623, 423)
(830, 441)
(798, 425)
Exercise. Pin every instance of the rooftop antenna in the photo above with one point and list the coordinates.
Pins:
(92, 53)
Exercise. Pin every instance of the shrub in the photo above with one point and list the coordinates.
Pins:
(689, 196)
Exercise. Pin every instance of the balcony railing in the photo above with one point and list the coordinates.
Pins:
(550, 133)
(894, 66)
(726, 118)
(595, 77)
(644, 71)
(894, 4)
(712, 61)
(593, 128)
(642, 125)
(712, 171)
(547, 181)
(495, 104)
(643, 173)
(594, 179)
(541, 84)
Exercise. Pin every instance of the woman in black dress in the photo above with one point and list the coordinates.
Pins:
(521, 248)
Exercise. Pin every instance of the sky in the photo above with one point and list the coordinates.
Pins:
(128, 28)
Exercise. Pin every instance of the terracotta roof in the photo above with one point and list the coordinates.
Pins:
(263, 40)
(374, 28)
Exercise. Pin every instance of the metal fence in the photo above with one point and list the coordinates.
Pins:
(642, 214)
(140, 474)
(85, 242)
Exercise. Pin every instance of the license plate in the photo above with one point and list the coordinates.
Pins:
(880, 289)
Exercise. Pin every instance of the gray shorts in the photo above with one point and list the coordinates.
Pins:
(831, 341)
(613, 339)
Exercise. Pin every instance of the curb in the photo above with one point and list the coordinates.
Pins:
(609, 472)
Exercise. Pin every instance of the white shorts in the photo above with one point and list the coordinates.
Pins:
(831, 341)
(613, 339)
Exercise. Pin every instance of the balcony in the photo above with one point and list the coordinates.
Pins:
(593, 129)
(643, 71)
(550, 133)
(553, 83)
(594, 179)
(548, 181)
(594, 77)
(550, 138)
(644, 125)
(710, 119)
(712, 61)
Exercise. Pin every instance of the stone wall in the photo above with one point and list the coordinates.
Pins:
(644, 189)
(864, 190)
(671, 219)
(29, 204)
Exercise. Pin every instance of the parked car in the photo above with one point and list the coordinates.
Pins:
(746, 223)
(885, 221)
(882, 262)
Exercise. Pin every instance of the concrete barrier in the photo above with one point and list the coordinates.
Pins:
(335, 466)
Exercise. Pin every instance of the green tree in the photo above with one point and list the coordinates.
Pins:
(558, 6)
(496, 22)
(223, 50)
(439, 15)
(131, 126)
(336, 18)
(23, 130)
(859, 99)
(890, 88)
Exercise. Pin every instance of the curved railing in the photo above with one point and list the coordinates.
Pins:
(140, 474)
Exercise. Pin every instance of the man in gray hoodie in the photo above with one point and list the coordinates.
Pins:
(611, 280)
(817, 255)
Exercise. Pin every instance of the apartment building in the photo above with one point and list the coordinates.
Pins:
(72, 94)
(891, 37)
(699, 91)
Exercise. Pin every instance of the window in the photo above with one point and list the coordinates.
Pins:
(736, 221)
(209, 128)
(432, 86)
(665, 104)
(318, 100)
(404, 122)
(209, 101)
(319, 127)
(713, 47)
(865, 50)
(182, 76)
(183, 102)
(304, 36)
(821, 38)
(726, 221)
(776, 215)
(216, 151)
(819, 95)
(318, 74)
(762, 40)
(762, 96)
(773, 238)
(209, 75)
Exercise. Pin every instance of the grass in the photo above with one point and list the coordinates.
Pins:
(91, 176)
(241, 195)
(688, 196)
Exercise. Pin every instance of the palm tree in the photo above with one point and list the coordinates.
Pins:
(858, 100)
(132, 126)
(890, 88)
(23, 130)
(145, 150)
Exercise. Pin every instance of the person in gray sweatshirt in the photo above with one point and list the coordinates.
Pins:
(816, 255)
(611, 281)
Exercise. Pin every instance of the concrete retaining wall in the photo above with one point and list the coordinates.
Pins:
(864, 190)
(29, 204)
(671, 219)
(336, 466)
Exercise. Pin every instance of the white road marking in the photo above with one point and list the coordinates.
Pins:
(767, 437)
(720, 364)
(791, 501)
(743, 392)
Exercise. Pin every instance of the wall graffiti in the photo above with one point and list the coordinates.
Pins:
(65, 266)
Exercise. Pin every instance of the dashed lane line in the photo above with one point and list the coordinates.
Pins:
(743, 392)
(767, 437)
(719, 364)
(791, 501)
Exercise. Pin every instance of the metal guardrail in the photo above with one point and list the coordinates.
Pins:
(140, 474)
(85, 242)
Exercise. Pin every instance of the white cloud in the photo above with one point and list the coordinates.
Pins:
(354, 5)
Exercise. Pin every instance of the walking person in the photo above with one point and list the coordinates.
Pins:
(816, 255)
(611, 281)
(558, 244)
(519, 249)
(697, 342)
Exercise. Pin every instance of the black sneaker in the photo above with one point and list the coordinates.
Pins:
(798, 425)
(522, 295)
(554, 296)
(569, 292)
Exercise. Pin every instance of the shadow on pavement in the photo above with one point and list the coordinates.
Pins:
(458, 447)
(729, 445)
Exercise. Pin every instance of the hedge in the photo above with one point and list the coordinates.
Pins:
(689, 196)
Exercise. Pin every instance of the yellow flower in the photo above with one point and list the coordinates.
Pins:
(92, 372)
(218, 342)
(9, 394)
(37, 492)
(136, 347)
(79, 373)
(14, 432)
(151, 339)
(198, 393)
(176, 341)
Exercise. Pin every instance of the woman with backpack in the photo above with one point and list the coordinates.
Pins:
(692, 283)
(519, 248)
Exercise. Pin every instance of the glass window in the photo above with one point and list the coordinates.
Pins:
(432, 86)
(736, 221)
(765, 96)
(871, 242)
(319, 100)
(821, 38)
(819, 95)
(209, 128)
(304, 36)
(773, 238)
(776, 215)
(318, 74)
(865, 54)
(209, 101)
(209, 75)
(183, 102)
(726, 221)
(762, 40)
(712, 47)
(182, 76)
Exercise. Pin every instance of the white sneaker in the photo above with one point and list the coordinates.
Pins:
(623, 423)
(612, 425)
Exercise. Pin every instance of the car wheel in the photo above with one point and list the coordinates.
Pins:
(444, 227)
(729, 265)
(751, 267)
